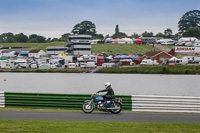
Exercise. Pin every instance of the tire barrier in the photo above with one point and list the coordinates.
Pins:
(165, 103)
(57, 101)
(2, 99)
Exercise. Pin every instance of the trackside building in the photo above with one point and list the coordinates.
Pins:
(79, 45)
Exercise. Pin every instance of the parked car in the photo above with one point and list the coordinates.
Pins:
(168, 43)
(189, 44)
(107, 65)
(182, 43)
(34, 65)
(146, 62)
(90, 65)
(71, 65)
(52, 66)
(82, 65)
(196, 44)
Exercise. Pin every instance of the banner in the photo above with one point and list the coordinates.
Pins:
(187, 49)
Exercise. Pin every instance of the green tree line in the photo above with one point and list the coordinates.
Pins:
(189, 26)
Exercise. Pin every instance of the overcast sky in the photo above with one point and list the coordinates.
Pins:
(52, 18)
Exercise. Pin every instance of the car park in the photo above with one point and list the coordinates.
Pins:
(168, 43)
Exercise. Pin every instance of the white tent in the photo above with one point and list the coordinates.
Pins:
(128, 40)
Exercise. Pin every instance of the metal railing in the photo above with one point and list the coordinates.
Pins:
(165, 103)
(2, 99)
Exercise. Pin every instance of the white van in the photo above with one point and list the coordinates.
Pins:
(90, 65)
(71, 65)
(82, 65)
(146, 62)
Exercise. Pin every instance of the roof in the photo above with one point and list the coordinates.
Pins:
(34, 51)
(155, 53)
(152, 53)
(24, 52)
(3, 58)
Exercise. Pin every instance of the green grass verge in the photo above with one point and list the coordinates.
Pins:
(97, 48)
(154, 70)
(15, 126)
(31, 46)
(39, 109)
(121, 48)
(77, 70)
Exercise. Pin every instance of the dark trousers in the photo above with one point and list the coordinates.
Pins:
(106, 97)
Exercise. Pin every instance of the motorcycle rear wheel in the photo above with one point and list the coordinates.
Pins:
(87, 107)
(117, 111)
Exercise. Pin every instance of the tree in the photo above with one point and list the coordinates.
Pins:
(98, 36)
(33, 40)
(107, 36)
(135, 35)
(168, 33)
(11, 40)
(119, 35)
(48, 39)
(55, 39)
(192, 32)
(85, 27)
(21, 37)
(160, 34)
(37, 38)
(6, 36)
(147, 34)
(41, 39)
(64, 37)
(189, 19)
(117, 29)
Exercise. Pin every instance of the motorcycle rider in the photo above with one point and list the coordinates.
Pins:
(110, 93)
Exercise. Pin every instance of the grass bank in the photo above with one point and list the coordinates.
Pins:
(97, 127)
(76, 70)
(31, 46)
(154, 70)
(97, 48)
(121, 48)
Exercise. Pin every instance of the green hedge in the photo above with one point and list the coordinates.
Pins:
(58, 101)
(154, 70)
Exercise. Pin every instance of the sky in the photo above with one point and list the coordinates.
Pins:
(53, 18)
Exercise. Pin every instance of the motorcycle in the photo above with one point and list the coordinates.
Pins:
(113, 105)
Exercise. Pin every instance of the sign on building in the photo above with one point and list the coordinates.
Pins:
(187, 49)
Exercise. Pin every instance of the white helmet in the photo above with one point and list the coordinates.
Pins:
(107, 84)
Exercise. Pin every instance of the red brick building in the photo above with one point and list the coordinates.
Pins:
(156, 55)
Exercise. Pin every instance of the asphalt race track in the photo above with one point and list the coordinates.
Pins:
(101, 116)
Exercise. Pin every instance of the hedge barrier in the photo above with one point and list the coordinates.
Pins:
(56, 101)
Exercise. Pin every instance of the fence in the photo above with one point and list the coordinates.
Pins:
(165, 103)
(2, 99)
(74, 102)
(59, 101)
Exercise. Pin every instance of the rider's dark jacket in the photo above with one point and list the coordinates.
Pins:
(110, 93)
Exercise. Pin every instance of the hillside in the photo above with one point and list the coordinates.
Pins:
(121, 48)
(97, 48)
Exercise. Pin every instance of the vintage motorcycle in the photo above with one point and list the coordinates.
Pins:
(113, 105)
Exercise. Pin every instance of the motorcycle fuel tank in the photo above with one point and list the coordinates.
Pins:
(99, 98)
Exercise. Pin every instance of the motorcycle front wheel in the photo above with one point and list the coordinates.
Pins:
(118, 110)
(88, 107)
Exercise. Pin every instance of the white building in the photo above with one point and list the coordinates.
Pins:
(37, 53)
(79, 45)
(55, 50)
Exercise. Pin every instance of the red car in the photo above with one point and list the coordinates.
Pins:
(139, 41)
